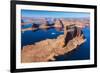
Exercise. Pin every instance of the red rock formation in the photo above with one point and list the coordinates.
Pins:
(47, 49)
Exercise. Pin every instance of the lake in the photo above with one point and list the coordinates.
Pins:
(80, 53)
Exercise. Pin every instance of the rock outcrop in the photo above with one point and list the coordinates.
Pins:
(47, 49)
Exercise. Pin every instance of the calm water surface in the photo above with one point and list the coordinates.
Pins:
(81, 53)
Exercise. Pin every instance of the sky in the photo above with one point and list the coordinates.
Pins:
(54, 14)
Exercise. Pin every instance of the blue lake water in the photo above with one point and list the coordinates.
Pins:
(81, 53)
(30, 37)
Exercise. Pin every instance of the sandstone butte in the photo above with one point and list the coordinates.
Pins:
(46, 50)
